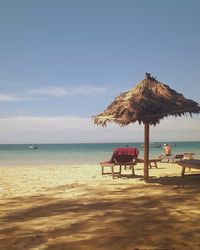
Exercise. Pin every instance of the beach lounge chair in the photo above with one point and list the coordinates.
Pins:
(189, 156)
(171, 158)
(152, 162)
(120, 157)
(188, 164)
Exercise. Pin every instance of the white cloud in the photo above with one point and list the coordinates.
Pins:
(85, 90)
(176, 129)
(8, 98)
(35, 94)
(180, 123)
(29, 129)
(16, 98)
(50, 91)
(71, 91)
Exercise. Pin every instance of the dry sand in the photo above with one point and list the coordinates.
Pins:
(75, 207)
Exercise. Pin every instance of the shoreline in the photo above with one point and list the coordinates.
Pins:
(54, 207)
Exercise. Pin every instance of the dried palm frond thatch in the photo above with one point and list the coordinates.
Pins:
(148, 102)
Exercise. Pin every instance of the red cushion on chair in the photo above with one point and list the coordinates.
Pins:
(124, 154)
(126, 151)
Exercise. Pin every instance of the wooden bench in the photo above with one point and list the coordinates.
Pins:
(116, 168)
(152, 162)
(121, 157)
(171, 158)
(189, 156)
(188, 164)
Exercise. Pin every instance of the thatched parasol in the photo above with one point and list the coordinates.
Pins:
(148, 102)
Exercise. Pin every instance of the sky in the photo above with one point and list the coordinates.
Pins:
(64, 61)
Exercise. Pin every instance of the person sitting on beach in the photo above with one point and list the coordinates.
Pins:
(167, 150)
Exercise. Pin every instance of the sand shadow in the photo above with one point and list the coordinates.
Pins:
(192, 180)
(105, 217)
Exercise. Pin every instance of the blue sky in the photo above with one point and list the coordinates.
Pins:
(63, 61)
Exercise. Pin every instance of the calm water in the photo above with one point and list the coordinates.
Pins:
(60, 154)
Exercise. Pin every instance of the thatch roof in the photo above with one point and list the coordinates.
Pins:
(148, 102)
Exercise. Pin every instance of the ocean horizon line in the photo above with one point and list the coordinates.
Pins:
(114, 142)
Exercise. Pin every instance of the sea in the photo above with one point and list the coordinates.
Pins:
(78, 154)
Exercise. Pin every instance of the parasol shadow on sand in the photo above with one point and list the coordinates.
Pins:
(148, 102)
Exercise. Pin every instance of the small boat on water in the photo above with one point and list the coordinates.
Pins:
(153, 145)
(33, 146)
(171, 145)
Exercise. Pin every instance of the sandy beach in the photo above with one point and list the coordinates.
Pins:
(75, 207)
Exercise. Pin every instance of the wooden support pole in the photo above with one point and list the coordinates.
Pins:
(146, 151)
